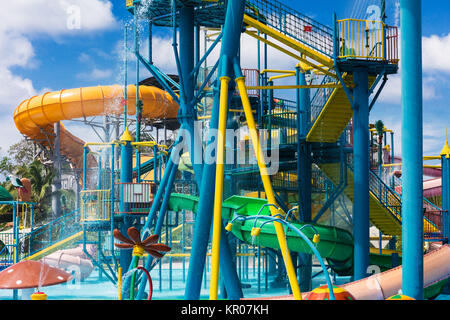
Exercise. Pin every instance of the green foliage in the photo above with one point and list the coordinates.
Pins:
(22, 153)
(379, 126)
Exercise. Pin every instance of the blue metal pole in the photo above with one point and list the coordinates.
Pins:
(16, 243)
(445, 160)
(230, 44)
(304, 174)
(126, 175)
(113, 151)
(155, 164)
(85, 154)
(125, 90)
(99, 173)
(412, 147)
(163, 188)
(186, 113)
(138, 102)
(361, 222)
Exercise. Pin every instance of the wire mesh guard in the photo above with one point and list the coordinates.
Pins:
(293, 24)
(134, 198)
(95, 205)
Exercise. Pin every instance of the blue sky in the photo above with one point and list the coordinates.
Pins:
(40, 52)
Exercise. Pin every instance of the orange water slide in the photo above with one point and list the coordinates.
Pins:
(35, 117)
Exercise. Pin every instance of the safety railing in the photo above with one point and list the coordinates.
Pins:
(435, 230)
(320, 98)
(293, 24)
(385, 196)
(434, 218)
(251, 79)
(7, 245)
(282, 125)
(134, 198)
(361, 39)
(392, 44)
(95, 205)
(285, 180)
(47, 235)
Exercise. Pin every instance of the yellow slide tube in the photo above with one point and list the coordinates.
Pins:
(218, 197)
(268, 188)
(35, 117)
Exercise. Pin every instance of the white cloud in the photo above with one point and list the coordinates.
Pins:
(56, 17)
(436, 53)
(96, 74)
(392, 91)
(435, 62)
(20, 23)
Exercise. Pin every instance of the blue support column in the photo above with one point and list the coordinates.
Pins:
(230, 44)
(445, 161)
(186, 113)
(138, 101)
(361, 222)
(412, 147)
(303, 174)
(126, 175)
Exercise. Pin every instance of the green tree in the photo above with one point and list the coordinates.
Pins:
(23, 153)
(379, 127)
(41, 178)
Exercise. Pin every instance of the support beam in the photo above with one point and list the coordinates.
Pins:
(186, 113)
(229, 49)
(445, 160)
(361, 222)
(304, 173)
(56, 185)
(412, 147)
(126, 175)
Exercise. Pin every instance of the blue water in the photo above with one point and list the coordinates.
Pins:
(97, 287)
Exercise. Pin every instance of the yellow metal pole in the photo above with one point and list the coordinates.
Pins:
(268, 188)
(277, 71)
(284, 87)
(119, 284)
(218, 198)
(286, 75)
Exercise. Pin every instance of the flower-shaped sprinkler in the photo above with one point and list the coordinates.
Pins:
(149, 245)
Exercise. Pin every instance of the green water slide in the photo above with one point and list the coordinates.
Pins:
(336, 245)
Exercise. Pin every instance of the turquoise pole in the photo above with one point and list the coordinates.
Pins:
(138, 102)
(186, 113)
(230, 44)
(303, 175)
(361, 222)
(412, 147)
(126, 175)
(445, 159)
(125, 72)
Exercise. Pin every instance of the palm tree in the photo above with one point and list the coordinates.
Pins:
(41, 179)
(379, 127)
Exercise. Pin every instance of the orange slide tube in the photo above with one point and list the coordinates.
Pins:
(35, 117)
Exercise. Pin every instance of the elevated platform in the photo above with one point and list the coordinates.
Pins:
(209, 14)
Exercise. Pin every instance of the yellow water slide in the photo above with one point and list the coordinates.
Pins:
(35, 117)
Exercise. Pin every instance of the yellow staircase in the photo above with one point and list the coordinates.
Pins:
(334, 116)
(380, 216)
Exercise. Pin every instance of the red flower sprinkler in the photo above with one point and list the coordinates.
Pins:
(149, 245)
